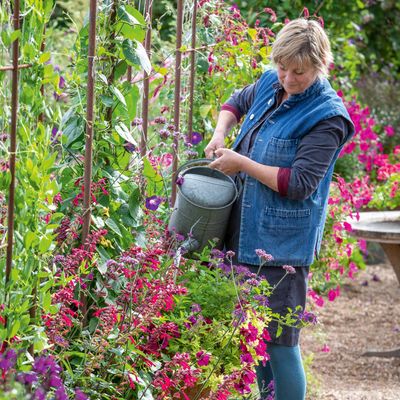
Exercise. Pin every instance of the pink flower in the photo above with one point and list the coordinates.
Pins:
(333, 293)
(325, 348)
(347, 226)
(272, 13)
(264, 256)
(389, 130)
(289, 269)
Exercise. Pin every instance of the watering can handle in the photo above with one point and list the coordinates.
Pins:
(193, 163)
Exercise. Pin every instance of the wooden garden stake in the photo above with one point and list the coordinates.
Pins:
(192, 72)
(146, 83)
(87, 179)
(13, 146)
(178, 61)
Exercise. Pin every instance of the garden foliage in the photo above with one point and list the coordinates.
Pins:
(155, 323)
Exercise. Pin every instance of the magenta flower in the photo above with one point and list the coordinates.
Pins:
(203, 359)
(389, 130)
(333, 293)
(153, 202)
(325, 348)
(246, 358)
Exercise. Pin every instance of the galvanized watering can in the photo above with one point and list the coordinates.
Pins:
(203, 204)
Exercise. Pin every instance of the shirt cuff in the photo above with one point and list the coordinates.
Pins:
(233, 110)
(283, 180)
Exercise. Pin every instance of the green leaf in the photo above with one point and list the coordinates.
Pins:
(93, 323)
(44, 57)
(129, 52)
(134, 203)
(130, 15)
(46, 301)
(279, 330)
(103, 78)
(29, 238)
(106, 100)
(113, 226)
(131, 32)
(123, 131)
(44, 244)
(119, 95)
(14, 329)
(102, 268)
(154, 179)
(204, 110)
(15, 35)
(135, 14)
(143, 57)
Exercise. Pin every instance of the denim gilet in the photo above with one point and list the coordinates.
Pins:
(290, 230)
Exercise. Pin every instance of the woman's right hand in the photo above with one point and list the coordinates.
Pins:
(217, 142)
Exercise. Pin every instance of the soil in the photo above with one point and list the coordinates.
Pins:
(365, 317)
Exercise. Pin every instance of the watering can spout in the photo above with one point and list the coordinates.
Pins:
(190, 244)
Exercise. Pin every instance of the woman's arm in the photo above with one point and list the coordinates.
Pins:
(229, 162)
(313, 158)
(226, 121)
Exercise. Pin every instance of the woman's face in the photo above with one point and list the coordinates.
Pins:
(295, 79)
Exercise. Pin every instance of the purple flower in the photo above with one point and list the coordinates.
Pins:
(39, 394)
(55, 133)
(60, 394)
(191, 154)
(8, 360)
(261, 299)
(195, 308)
(179, 180)
(160, 120)
(61, 83)
(230, 254)
(289, 269)
(307, 317)
(79, 395)
(55, 381)
(27, 378)
(137, 121)
(164, 133)
(263, 255)
(129, 147)
(196, 138)
(215, 253)
(153, 202)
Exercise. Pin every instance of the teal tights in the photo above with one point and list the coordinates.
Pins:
(285, 368)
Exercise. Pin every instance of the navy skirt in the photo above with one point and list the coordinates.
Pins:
(291, 292)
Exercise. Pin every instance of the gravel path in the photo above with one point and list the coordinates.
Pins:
(365, 317)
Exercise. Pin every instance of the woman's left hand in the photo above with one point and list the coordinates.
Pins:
(229, 162)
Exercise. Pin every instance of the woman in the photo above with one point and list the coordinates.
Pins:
(294, 130)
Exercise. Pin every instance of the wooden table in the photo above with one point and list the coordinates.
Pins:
(382, 227)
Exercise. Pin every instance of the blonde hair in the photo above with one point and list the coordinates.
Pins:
(303, 42)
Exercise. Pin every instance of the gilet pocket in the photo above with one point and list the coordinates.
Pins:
(286, 219)
(280, 152)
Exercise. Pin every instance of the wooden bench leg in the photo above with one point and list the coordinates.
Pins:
(392, 251)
